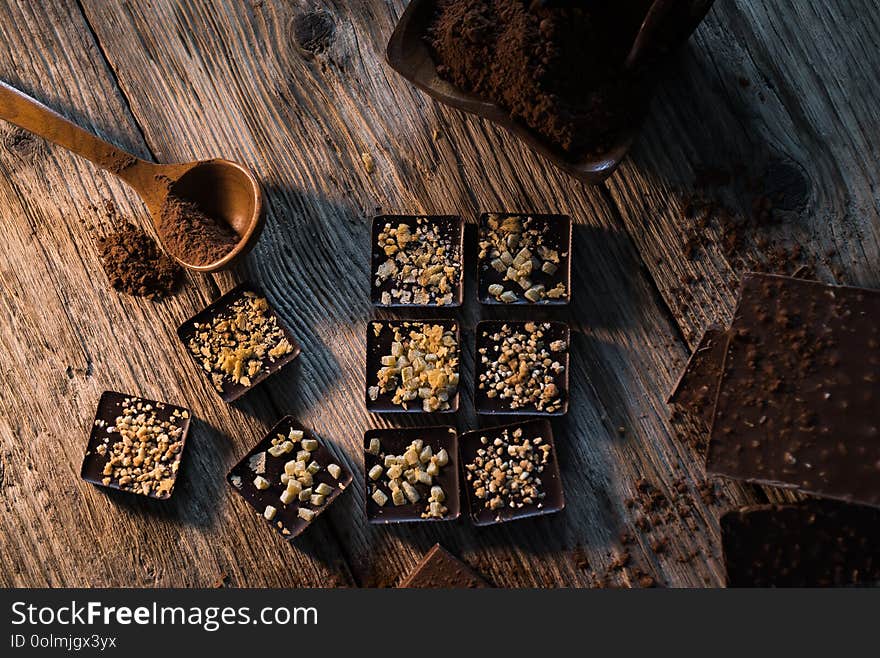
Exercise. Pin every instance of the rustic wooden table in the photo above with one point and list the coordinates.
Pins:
(299, 90)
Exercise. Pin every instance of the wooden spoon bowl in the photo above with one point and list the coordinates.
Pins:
(409, 55)
(226, 191)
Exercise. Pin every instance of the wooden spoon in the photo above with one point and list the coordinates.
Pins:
(225, 190)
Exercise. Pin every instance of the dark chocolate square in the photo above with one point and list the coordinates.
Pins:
(379, 346)
(498, 407)
(797, 404)
(394, 441)
(697, 386)
(450, 227)
(229, 390)
(439, 569)
(813, 543)
(109, 407)
(554, 500)
(242, 477)
(557, 236)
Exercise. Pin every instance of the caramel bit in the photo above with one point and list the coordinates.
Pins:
(519, 367)
(506, 473)
(239, 342)
(422, 264)
(517, 250)
(423, 365)
(145, 458)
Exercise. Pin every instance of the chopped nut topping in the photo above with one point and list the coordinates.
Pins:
(416, 467)
(520, 368)
(506, 471)
(239, 342)
(515, 248)
(423, 366)
(298, 477)
(422, 264)
(146, 456)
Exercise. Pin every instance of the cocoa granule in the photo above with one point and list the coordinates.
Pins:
(192, 235)
(136, 266)
(558, 70)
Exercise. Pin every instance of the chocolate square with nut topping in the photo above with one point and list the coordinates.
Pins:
(259, 462)
(390, 289)
(104, 435)
(230, 387)
(394, 441)
(470, 443)
(555, 333)
(492, 270)
(380, 336)
(797, 404)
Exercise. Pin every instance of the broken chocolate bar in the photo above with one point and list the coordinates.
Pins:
(441, 570)
(814, 543)
(697, 387)
(797, 404)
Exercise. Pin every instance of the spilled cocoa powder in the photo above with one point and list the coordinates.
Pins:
(558, 70)
(135, 265)
(192, 235)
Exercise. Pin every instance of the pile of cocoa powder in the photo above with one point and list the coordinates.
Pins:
(558, 70)
(136, 265)
(191, 234)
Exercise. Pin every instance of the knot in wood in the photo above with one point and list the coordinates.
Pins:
(313, 31)
(22, 144)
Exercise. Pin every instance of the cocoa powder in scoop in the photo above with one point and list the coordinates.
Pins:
(192, 235)
(136, 266)
(557, 69)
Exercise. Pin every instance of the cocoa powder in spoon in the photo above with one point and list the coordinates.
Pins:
(191, 234)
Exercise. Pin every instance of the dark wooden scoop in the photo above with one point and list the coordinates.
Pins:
(225, 190)
(409, 55)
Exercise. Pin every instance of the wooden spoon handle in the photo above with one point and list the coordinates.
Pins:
(33, 116)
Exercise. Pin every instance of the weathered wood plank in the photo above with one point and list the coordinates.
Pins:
(241, 87)
(66, 337)
(786, 91)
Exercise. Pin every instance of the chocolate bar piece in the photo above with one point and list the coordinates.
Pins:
(491, 499)
(810, 544)
(281, 481)
(524, 259)
(442, 441)
(697, 387)
(397, 384)
(542, 352)
(426, 242)
(441, 570)
(136, 445)
(797, 405)
(238, 341)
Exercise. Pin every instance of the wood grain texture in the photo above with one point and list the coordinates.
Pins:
(299, 91)
(66, 337)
